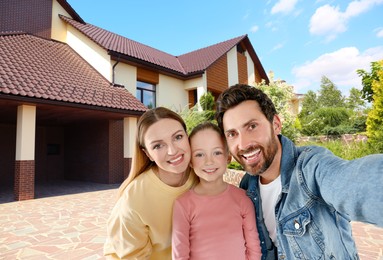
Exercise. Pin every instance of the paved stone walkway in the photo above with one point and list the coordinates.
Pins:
(73, 226)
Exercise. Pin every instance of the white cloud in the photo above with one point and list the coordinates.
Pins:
(339, 66)
(254, 29)
(329, 21)
(284, 6)
(277, 47)
(271, 26)
(379, 32)
(246, 16)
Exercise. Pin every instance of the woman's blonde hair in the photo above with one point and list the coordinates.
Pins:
(140, 161)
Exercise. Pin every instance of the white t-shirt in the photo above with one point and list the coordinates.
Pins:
(269, 195)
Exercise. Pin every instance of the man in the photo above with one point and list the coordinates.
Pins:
(304, 197)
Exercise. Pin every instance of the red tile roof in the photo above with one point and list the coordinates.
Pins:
(201, 59)
(196, 61)
(34, 67)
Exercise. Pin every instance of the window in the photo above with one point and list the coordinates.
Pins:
(146, 93)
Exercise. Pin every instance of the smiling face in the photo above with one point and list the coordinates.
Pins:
(209, 155)
(251, 138)
(167, 144)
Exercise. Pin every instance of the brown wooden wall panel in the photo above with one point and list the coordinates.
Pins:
(147, 76)
(258, 77)
(31, 16)
(192, 97)
(217, 75)
(242, 68)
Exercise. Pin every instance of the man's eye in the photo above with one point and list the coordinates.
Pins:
(252, 126)
(179, 137)
(230, 134)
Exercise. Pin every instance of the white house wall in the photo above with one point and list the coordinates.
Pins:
(250, 69)
(126, 75)
(195, 83)
(171, 93)
(90, 51)
(58, 31)
(232, 66)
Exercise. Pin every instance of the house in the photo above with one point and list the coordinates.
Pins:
(296, 104)
(71, 92)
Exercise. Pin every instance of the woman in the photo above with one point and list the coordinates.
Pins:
(140, 223)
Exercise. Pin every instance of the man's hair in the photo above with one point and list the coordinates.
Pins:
(238, 93)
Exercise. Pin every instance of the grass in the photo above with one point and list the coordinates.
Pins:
(348, 151)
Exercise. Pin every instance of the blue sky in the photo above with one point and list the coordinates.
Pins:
(299, 41)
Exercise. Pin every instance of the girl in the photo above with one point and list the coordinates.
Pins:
(214, 220)
(140, 223)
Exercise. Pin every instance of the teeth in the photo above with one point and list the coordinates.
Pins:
(254, 152)
(209, 170)
(176, 159)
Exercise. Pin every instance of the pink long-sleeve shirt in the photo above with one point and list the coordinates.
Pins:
(215, 227)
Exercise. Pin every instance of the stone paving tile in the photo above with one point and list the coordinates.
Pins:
(73, 227)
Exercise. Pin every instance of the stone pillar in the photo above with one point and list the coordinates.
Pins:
(24, 188)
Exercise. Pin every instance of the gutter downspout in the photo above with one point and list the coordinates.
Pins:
(113, 72)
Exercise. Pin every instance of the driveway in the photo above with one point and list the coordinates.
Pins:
(67, 221)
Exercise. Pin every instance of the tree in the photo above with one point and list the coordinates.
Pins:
(355, 100)
(309, 104)
(207, 101)
(329, 113)
(368, 79)
(375, 116)
(281, 94)
(329, 94)
(195, 116)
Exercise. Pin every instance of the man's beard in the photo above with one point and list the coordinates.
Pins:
(268, 155)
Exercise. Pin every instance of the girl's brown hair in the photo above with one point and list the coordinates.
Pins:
(140, 161)
(205, 126)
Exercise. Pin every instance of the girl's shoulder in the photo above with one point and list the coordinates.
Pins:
(234, 190)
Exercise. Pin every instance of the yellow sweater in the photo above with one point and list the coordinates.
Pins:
(140, 223)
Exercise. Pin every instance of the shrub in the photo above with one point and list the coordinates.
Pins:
(235, 165)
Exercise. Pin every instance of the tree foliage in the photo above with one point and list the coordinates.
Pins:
(329, 94)
(202, 112)
(281, 94)
(330, 113)
(355, 100)
(368, 78)
(375, 116)
(309, 104)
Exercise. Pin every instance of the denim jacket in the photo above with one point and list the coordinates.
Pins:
(321, 194)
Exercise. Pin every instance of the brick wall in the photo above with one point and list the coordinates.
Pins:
(7, 154)
(24, 188)
(86, 152)
(31, 16)
(116, 151)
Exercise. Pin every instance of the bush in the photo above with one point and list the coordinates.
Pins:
(235, 166)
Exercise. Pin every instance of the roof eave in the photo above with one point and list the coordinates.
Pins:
(34, 100)
(148, 65)
(71, 11)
